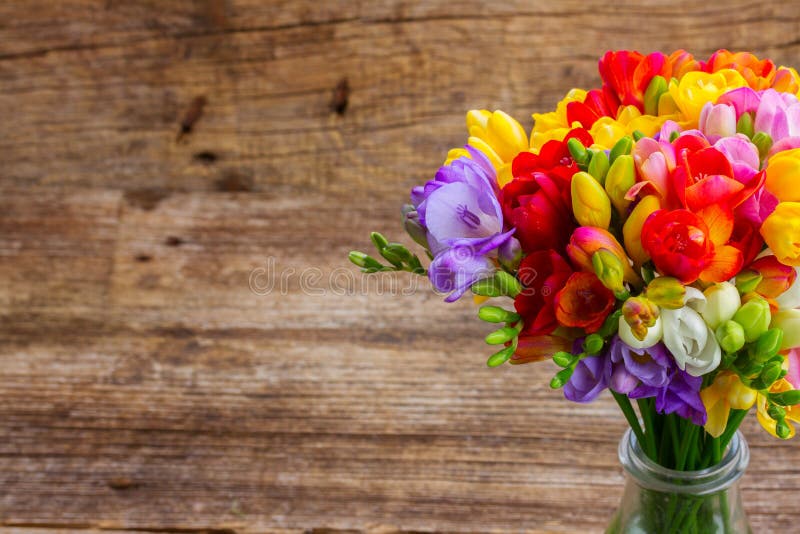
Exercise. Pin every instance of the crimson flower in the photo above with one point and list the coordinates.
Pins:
(542, 274)
(537, 201)
(583, 302)
(627, 74)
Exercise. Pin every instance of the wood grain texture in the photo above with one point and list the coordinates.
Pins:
(164, 161)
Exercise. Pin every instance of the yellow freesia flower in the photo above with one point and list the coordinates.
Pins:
(725, 393)
(695, 89)
(606, 131)
(498, 135)
(782, 171)
(792, 412)
(787, 81)
(781, 232)
(554, 125)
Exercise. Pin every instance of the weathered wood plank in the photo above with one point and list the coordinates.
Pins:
(147, 385)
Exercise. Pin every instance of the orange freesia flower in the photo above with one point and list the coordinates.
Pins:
(584, 302)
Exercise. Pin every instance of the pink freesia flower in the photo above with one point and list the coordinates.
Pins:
(717, 121)
(793, 377)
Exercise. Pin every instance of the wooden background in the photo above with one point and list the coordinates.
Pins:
(162, 161)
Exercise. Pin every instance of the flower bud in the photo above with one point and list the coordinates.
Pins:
(776, 412)
(505, 135)
(587, 240)
(768, 344)
(364, 261)
(502, 335)
(730, 336)
(640, 314)
(656, 88)
(782, 429)
(717, 121)
(763, 143)
(770, 373)
(653, 336)
(782, 171)
(622, 147)
(754, 316)
(620, 178)
(561, 378)
(564, 359)
(747, 281)
(786, 398)
(378, 240)
(632, 229)
(788, 321)
(577, 151)
(598, 166)
(666, 292)
(590, 204)
(500, 357)
(508, 284)
(496, 314)
(593, 344)
(722, 301)
(745, 125)
(414, 229)
(608, 269)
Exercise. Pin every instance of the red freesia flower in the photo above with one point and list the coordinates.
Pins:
(542, 273)
(584, 302)
(537, 202)
(627, 74)
(690, 246)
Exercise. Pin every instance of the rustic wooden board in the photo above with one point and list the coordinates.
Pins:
(161, 160)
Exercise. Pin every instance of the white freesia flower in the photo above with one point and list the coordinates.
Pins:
(722, 301)
(653, 335)
(687, 336)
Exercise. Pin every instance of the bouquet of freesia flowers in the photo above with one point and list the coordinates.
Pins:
(648, 233)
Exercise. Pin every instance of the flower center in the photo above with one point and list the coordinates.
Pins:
(467, 217)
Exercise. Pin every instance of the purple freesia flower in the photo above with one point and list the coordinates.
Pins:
(463, 222)
(588, 379)
(629, 367)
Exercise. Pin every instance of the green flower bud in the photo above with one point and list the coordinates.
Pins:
(770, 373)
(638, 134)
(486, 287)
(502, 335)
(763, 142)
(508, 284)
(564, 359)
(598, 167)
(593, 344)
(623, 147)
(364, 261)
(561, 378)
(776, 412)
(656, 88)
(730, 336)
(782, 429)
(786, 398)
(666, 292)
(747, 281)
(745, 125)
(500, 357)
(378, 240)
(768, 344)
(608, 268)
(577, 151)
(754, 316)
(620, 178)
(496, 314)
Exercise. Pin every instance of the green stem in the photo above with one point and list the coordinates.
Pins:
(734, 420)
(627, 410)
(649, 431)
(688, 438)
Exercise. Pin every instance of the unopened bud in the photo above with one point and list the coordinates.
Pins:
(747, 281)
(620, 178)
(593, 344)
(608, 268)
(730, 336)
(561, 378)
(768, 344)
(564, 359)
(577, 151)
(666, 292)
(786, 398)
(754, 316)
(763, 142)
(500, 357)
(598, 167)
(496, 314)
(745, 125)
(656, 88)
(623, 147)
(590, 203)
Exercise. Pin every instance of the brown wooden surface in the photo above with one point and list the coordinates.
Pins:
(156, 154)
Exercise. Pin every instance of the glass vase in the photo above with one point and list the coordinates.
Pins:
(658, 500)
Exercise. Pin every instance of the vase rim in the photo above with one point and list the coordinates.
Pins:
(651, 475)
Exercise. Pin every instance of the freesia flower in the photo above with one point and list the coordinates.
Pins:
(632, 229)
(759, 73)
(679, 244)
(588, 380)
(792, 412)
(782, 171)
(653, 335)
(542, 273)
(722, 301)
(464, 223)
(631, 368)
(692, 91)
(537, 202)
(590, 203)
(776, 278)
(688, 337)
(627, 74)
(717, 121)
(781, 232)
(725, 393)
(788, 321)
(554, 126)
(790, 298)
(498, 136)
(583, 302)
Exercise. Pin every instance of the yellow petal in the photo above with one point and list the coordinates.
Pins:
(506, 136)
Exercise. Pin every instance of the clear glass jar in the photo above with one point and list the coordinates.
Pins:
(658, 500)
